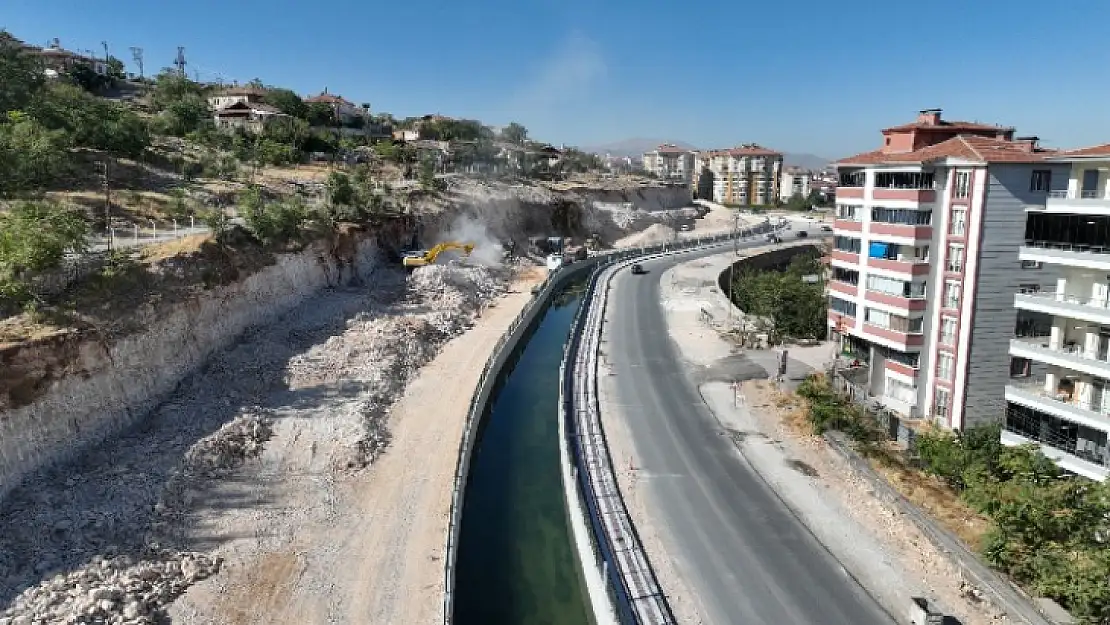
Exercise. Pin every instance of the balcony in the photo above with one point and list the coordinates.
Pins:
(902, 368)
(845, 257)
(849, 225)
(1079, 201)
(1086, 309)
(914, 304)
(845, 288)
(905, 195)
(906, 231)
(847, 193)
(1091, 468)
(1070, 356)
(900, 340)
(901, 264)
(1060, 404)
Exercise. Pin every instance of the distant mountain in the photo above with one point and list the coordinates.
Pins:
(639, 145)
(634, 147)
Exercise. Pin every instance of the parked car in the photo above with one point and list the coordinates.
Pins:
(802, 234)
(826, 228)
(638, 269)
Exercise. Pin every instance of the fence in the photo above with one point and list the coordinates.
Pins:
(891, 423)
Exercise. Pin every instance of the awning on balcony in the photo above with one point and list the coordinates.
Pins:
(879, 250)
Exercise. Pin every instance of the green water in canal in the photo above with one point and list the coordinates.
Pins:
(516, 564)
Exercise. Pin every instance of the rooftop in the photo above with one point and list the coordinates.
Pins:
(964, 147)
(1094, 151)
(237, 90)
(329, 98)
(746, 149)
(241, 107)
(670, 148)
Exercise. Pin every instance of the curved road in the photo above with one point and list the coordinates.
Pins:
(744, 556)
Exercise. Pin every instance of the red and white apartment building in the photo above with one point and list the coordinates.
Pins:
(925, 265)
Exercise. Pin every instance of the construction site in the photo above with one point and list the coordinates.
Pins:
(278, 445)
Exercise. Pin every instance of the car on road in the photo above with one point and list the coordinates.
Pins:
(638, 269)
(826, 228)
(802, 234)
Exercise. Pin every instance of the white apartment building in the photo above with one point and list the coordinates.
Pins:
(747, 175)
(924, 262)
(795, 181)
(670, 162)
(1059, 395)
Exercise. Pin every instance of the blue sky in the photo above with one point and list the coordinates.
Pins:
(799, 76)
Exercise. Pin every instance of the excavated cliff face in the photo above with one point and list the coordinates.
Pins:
(65, 391)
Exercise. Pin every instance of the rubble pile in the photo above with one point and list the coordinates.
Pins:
(383, 352)
(119, 590)
(232, 444)
(625, 215)
(652, 236)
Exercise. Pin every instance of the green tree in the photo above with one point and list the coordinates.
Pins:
(116, 68)
(35, 236)
(514, 133)
(798, 202)
(184, 115)
(171, 87)
(91, 121)
(288, 102)
(84, 76)
(320, 114)
(21, 75)
(340, 190)
(31, 155)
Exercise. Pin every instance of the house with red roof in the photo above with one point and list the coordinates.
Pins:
(925, 264)
(345, 110)
(746, 175)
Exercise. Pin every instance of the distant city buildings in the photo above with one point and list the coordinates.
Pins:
(746, 175)
(795, 181)
(57, 60)
(671, 163)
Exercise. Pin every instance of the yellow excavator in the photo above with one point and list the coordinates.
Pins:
(422, 258)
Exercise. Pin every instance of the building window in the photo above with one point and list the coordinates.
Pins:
(963, 185)
(958, 223)
(847, 211)
(901, 216)
(1030, 264)
(940, 403)
(946, 364)
(948, 331)
(951, 294)
(1020, 367)
(955, 258)
(847, 244)
(844, 307)
(1040, 180)
(900, 391)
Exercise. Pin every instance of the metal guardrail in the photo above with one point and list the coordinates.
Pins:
(617, 590)
(630, 581)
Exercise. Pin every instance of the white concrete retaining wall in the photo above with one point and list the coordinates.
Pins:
(110, 385)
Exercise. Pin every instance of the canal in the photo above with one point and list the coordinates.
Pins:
(516, 563)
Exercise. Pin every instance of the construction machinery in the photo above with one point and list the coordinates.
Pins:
(422, 258)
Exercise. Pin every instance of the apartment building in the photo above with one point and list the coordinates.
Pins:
(925, 262)
(670, 162)
(1059, 396)
(795, 181)
(747, 175)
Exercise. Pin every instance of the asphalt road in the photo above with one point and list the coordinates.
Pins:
(746, 558)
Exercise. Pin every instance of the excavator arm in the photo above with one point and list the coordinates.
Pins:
(430, 256)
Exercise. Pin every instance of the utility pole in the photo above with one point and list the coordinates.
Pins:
(105, 44)
(105, 182)
(180, 63)
(137, 56)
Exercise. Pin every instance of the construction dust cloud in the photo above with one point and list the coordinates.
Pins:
(488, 250)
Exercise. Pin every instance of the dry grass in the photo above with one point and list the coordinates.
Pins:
(176, 247)
(926, 492)
(935, 498)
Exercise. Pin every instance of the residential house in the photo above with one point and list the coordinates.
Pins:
(249, 116)
(746, 175)
(1059, 393)
(57, 60)
(345, 111)
(925, 262)
(234, 95)
(671, 163)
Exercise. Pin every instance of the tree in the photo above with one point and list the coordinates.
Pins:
(35, 236)
(91, 121)
(31, 155)
(320, 114)
(340, 190)
(514, 133)
(794, 306)
(84, 76)
(21, 74)
(116, 68)
(184, 115)
(287, 102)
(798, 202)
(171, 87)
